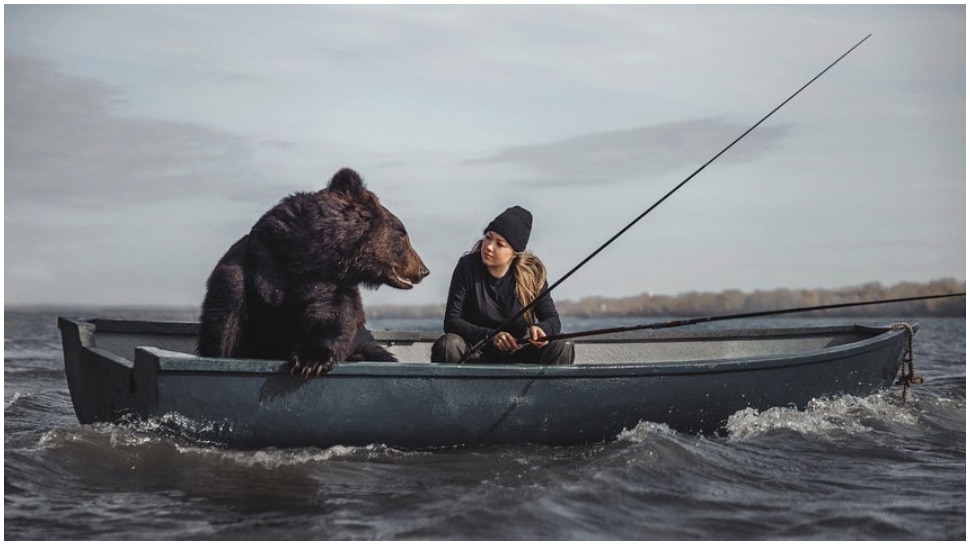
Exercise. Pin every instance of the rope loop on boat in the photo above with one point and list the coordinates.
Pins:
(907, 370)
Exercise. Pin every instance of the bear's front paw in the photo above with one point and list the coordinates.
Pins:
(308, 361)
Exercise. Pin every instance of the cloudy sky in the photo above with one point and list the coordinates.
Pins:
(141, 141)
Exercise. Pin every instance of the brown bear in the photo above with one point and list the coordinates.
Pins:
(289, 289)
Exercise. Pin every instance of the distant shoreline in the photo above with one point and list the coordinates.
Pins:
(690, 304)
(735, 301)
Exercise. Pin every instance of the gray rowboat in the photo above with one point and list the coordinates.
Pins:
(125, 371)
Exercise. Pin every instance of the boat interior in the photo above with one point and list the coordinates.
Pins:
(122, 337)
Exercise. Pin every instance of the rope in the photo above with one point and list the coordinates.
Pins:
(907, 370)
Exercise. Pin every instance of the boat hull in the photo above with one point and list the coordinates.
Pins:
(254, 403)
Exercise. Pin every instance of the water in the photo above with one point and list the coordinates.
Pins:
(848, 468)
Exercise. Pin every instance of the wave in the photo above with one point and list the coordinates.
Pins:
(16, 398)
(151, 440)
(846, 414)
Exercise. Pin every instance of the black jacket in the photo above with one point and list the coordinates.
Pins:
(478, 303)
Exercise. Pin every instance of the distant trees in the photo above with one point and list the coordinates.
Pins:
(735, 302)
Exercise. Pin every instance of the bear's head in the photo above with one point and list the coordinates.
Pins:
(370, 245)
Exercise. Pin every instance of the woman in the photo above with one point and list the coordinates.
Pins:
(493, 282)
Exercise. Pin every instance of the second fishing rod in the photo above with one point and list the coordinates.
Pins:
(488, 338)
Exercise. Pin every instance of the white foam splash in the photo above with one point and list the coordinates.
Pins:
(644, 431)
(17, 396)
(268, 458)
(847, 414)
(167, 432)
(55, 438)
(273, 458)
(112, 435)
(178, 425)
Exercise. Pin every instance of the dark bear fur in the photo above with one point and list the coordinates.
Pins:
(289, 289)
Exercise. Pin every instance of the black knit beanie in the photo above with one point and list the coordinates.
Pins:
(515, 224)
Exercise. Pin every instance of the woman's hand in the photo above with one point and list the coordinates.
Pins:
(536, 332)
(505, 342)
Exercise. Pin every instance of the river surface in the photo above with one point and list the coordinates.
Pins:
(847, 468)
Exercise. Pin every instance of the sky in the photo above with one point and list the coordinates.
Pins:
(141, 141)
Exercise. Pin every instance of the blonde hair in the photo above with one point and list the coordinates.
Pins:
(530, 276)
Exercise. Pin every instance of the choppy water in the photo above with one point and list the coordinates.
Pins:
(849, 468)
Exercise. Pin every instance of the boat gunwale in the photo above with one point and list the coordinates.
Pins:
(176, 362)
(171, 362)
(161, 327)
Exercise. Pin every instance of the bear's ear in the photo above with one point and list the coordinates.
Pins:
(347, 181)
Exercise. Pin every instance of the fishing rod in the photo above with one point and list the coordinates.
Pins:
(718, 318)
(546, 292)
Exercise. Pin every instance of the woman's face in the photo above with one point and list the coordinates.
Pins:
(497, 253)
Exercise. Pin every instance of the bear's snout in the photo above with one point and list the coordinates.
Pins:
(407, 277)
(422, 272)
